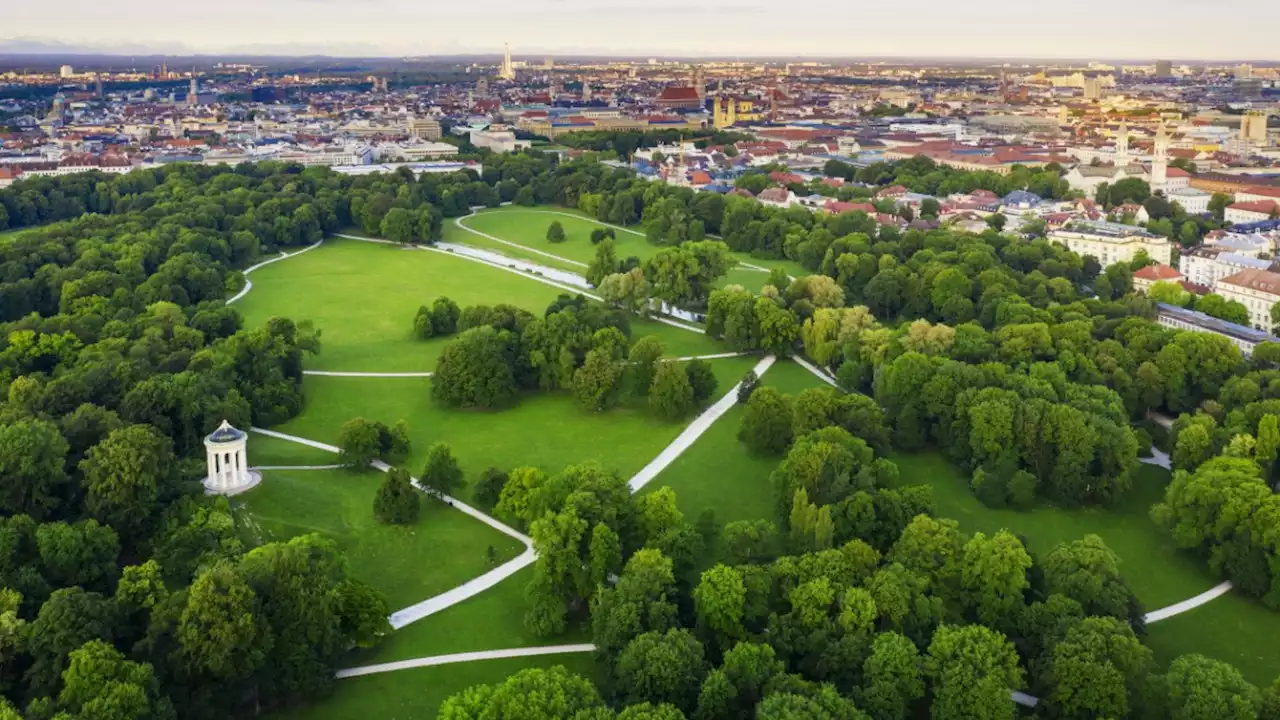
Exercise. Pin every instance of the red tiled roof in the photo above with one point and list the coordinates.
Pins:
(682, 94)
(1157, 272)
(1262, 206)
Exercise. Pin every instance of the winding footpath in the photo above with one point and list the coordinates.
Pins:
(686, 439)
(282, 256)
(700, 425)
(471, 588)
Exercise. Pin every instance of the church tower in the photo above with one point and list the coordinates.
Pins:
(194, 91)
(700, 83)
(1160, 166)
(1122, 145)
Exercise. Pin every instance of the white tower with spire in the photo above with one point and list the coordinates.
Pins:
(507, 72)
(1160, 165)
(1122, 145)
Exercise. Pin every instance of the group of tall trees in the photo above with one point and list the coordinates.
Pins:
(124, 590)
(577, 347)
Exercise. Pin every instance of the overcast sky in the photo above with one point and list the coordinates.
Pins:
(1145, 29)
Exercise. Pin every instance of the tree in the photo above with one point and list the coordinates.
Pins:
(100, 683)
(779, 329)
(1218, 205)
(766, 425)
(972, 669)
(70, 618)
(444, 316)
(474, 370)
(555, 232)
(219, 633)
(671, 396)
(747, 386)
(997, 222)
(423, 327)
(598, 383)
(1099, 669)
(1200, 687)
(702, 379)
(1088, 572)
(930, 208)
(399, 225)
(359, 443)
(720, 602)
(125, 475)
(993, 575)
(397, 501)
(442, 474)
(531, 694)
(643, 362)
(489, 487)
(32, 459)
(661, 667)
(604, 264)
(892, 677)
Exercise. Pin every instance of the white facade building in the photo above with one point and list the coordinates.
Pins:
(1208, 264)
(1195, 202)
(1113, 242)
(1257, 290)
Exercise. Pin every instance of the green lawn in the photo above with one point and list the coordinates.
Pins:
(678, 341)
(544, 430)
(1233, 629)
(363, 296)
(492, 620)
(528, 227)
(407, 563)
(416, 694)
(1155, 569)
(718, 472)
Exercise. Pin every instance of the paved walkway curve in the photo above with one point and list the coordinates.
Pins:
(700, 425)
(282, 256)
(334, 373)
(818, 372)
(475, 586)
(1165, 613)
(464, 657)
(297, 467)
(458, 222)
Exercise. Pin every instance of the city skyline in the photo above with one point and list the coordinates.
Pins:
(720, 28)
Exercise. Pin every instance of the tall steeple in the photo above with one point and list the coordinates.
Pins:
(194, 90)
(507, 72)
(1122, 144)
(1160, 165)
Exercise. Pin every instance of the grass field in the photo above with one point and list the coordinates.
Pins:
(528, 227)
(363, 296)
(416, 694)
(718, 472)
(1155, 569)
(543, 430)
(407, 563)
(1233, 629)
(492, 620)
(264, 450)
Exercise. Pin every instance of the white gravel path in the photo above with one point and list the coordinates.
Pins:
(475, 586)
(458, 222)
(464, 657)
(297, 467)
(695, 430)
(1203, 598)
(824, 377)
(282, 256)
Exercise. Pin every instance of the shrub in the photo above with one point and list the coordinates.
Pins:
(397, 501)
(991, 489)
(489, 487)
(1022, 490)
(555, 232)
(703, 381)
(748, 385)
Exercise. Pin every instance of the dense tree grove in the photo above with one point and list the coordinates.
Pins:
(132, 593)
(125, 592)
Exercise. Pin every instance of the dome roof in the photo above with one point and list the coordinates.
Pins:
(225, 433)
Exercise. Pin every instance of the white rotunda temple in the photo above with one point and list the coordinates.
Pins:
(229, 471)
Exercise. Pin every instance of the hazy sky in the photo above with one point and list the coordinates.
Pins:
(1221, 29)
